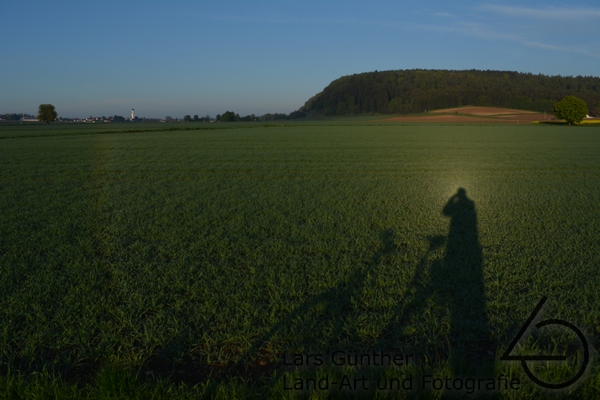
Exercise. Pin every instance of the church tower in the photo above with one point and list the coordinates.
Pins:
(132, 114)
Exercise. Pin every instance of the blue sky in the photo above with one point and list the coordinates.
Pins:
(207, 57)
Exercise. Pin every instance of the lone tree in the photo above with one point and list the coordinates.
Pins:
(46, 113)
(571, 108)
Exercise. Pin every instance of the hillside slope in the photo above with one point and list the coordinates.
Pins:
(414, 91)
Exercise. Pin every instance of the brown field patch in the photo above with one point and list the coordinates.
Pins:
(490, 115)
(484, 111)
(437, 118)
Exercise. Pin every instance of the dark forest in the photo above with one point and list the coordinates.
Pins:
(416, 91)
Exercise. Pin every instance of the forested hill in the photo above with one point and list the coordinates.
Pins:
(414, 91)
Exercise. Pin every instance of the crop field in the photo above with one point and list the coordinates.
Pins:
(250, 260)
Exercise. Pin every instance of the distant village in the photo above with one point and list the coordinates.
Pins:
(227, 116)
(90, 119)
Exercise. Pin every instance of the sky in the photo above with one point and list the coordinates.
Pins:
(255, 57)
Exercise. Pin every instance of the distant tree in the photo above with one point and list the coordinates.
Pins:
(46, 113)
(196, 118)
(218, 117)
(187, 118)
(229, 116)
(168, 118)
(118, 118)
(571, 108)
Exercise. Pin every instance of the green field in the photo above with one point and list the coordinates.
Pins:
(156, 260)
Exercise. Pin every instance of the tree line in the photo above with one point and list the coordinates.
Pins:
(14, 116)
(230, 116)
(415, 91)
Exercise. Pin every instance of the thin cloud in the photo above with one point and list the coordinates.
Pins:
(454, 25)
(485, 32)
(552, 47)
(554, 13)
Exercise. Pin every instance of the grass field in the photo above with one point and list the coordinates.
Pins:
(193, 263)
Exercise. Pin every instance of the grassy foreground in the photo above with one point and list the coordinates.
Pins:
(193, 263)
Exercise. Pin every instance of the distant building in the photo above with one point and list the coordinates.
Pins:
(132, 114)
(29, 119)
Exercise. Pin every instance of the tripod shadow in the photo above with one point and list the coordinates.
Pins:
(452, 285)
(325, 315)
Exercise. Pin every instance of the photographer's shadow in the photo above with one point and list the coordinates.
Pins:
(453, 283)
